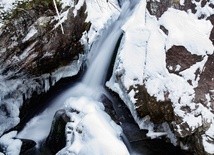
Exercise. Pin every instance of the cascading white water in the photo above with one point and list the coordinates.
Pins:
(38, 127)
(97, 71)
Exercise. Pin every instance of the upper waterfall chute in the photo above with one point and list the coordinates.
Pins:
(105, 46)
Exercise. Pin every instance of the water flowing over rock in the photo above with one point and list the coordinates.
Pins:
(163, 71)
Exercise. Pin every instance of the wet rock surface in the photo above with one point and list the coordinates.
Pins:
(56, 139)
(28, 147)
(206, 84)
(156, 146)
(211, 18)
(38, 46)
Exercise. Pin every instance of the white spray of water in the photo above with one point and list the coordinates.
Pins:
(38, 127)
(97, 71)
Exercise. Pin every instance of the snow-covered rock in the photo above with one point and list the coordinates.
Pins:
(91, 130)
(164, 71)
(9, 144)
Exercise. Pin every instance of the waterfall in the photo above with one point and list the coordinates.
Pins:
(92, 81)
(97, 71)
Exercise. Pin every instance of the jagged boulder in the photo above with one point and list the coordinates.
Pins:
(28, 147)
(56, 139)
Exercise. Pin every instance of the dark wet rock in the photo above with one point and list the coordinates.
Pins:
(156, 146)
(203, 3)
(181, 129)
(212, 35)
(109, 109)
(56, 139)
(132, 132)
(206, 84)
(136, 139)
(157, 8)
(196, 143)
(2, 149)
(211, 5)
(211, 18)
(178, 58)
(159, 111)
(28, 147)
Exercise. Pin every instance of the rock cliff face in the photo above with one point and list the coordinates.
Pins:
(168, 83)
(163, 70)
(35, 53)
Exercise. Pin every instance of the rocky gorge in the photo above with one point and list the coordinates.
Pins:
(163, 70)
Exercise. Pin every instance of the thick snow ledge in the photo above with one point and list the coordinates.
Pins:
(26, 87)
(91, 130)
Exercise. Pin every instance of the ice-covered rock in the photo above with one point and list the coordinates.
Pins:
(34, 54)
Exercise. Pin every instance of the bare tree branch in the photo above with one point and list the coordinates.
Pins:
(57, 11)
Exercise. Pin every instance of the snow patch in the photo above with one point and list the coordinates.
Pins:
(10, 145)
(30, 34)
(66, 3)
(100, 14)
(133, 61)
(185, 29)
(7, 4)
